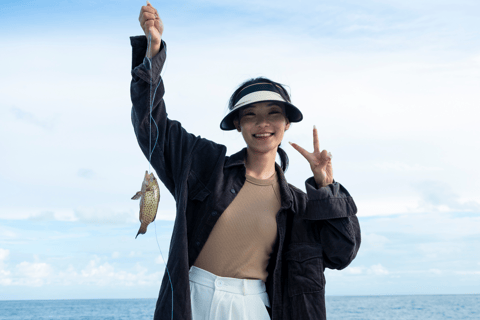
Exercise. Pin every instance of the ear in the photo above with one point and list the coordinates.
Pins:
(287, 126)
(237, 125)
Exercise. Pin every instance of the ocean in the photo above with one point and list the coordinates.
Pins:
(345, 308)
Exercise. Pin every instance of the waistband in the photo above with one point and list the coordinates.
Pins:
(233, 285)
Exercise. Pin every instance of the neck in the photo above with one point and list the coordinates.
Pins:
(260, 165)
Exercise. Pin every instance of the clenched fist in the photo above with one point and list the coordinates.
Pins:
(152, 25)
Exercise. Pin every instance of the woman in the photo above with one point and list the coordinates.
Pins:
(245, 244)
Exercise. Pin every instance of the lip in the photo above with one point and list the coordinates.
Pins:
(263, 133)
(263, 138)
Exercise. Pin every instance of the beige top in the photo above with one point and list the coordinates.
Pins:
(242, 240)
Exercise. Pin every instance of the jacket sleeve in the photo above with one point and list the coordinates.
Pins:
(334, 212)
(173, 147)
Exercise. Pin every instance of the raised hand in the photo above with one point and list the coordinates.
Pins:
(152, 25)
(320, 162)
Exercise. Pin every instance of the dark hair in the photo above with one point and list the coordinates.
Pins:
(281, 91)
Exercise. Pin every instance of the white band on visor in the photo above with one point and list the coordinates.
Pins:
(257, 96)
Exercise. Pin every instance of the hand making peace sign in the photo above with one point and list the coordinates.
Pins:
(320, 162)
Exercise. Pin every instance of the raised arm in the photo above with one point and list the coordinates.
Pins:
(173, 147)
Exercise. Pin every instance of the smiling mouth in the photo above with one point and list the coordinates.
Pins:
(263, 135)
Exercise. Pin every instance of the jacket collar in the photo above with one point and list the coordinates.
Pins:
(285, 192)
(238, 159)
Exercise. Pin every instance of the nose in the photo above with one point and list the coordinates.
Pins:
(262, 121)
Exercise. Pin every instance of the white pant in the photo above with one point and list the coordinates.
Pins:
(223, 298)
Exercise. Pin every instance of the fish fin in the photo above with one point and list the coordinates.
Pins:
(142, 230)
(137, 195)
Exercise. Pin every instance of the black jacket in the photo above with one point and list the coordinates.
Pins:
(315, 230)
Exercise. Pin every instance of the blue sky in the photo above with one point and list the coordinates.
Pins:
(392, 87)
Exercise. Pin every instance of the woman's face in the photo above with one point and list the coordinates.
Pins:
(262, 126)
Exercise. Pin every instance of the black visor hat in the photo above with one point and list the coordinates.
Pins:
(259, 92)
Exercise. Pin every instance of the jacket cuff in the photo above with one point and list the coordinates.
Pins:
(141, 65)
(329, 202)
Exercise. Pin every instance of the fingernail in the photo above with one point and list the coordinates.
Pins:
(289, 142)
(314, 127)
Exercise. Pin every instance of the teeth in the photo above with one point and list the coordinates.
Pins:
(263, 135)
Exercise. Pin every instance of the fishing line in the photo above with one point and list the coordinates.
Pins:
(152, 99)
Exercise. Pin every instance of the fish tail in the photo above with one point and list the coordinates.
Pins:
(142, 230)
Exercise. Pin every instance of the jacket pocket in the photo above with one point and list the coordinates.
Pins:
(196, 189)
(305, 268)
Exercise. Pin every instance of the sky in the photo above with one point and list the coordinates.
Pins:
(392, 87)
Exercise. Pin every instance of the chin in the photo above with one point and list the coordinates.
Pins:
(263, 149)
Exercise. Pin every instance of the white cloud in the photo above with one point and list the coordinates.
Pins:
(4, 253)
(104, 215)
(4, 273)
(385, 206)
(467, 273)
(159, 260)
(435, 271)
(102, 274)
(354, 270)
(442, 225)
(43, 216)
(5, 278)
(439, 196)
(378, 269)
(95, 273)
(135, 254)
(401, 166)
(32, 274)
(36, 213)
(372, 241)
(116, 255)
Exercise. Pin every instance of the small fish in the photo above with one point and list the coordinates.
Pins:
(149, 197)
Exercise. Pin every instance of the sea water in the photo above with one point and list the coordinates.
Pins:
(345, 308)
(419, 307)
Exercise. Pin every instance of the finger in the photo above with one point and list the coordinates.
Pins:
(325, 156)
(302, 151)
(149, 24)
(149, 15)
(159, 25)
(316, 143)
(146, 9)
(150, 6)
(149, 9)
(146, 17)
